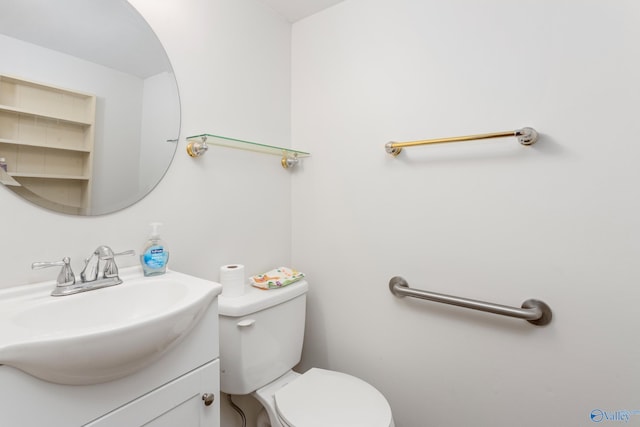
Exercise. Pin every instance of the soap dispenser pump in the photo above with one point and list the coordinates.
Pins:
(155, 255)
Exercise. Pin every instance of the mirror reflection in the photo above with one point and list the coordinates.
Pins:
(89, 107)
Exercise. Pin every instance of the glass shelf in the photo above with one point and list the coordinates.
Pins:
(246, 145)
(199, 144)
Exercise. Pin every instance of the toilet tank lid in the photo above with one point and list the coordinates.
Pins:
(255, 299)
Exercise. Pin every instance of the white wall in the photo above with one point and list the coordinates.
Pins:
(491, 220)
(160, 121)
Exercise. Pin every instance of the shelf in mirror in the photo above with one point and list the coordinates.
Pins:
(197, 145)
(43, 145)
(46, 139)
(45, 115)
(48, 176)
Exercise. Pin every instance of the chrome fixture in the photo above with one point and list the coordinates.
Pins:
(526, 136)
(208, 398)
(197, 148)
(104, 255)
(66, 276)
(289, 161)
(100, 270)
(533, 311)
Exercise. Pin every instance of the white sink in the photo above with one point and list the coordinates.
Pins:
(103, 334)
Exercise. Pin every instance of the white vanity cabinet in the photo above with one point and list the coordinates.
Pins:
(167, 393)
(179, 403)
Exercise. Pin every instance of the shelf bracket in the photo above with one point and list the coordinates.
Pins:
(197, 148)
(290, 160)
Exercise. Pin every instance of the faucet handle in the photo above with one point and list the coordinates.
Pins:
(66, 276)
(129, 252)
(105, 252)
(110, 267)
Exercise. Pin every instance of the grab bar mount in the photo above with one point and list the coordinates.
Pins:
(533, 311)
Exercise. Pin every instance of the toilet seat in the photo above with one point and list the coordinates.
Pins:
(321, 398)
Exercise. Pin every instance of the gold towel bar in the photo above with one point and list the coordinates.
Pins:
(526, 136)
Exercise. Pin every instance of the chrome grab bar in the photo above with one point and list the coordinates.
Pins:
(533, 311)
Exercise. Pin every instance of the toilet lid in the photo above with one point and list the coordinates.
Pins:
(321, 398)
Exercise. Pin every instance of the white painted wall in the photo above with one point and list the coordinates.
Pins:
(491, 220)
(159, 124)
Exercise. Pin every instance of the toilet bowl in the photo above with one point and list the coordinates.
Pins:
(261, 335)
(321, 398)
(328, 398)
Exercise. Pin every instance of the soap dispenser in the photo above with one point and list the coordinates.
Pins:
(155, 255)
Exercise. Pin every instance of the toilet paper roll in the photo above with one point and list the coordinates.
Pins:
(232, 280)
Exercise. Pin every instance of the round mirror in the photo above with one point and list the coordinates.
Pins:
(89, 107)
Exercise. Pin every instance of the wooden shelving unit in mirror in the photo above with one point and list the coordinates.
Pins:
(47, 138)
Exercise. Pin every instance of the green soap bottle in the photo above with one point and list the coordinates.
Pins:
(155, 255)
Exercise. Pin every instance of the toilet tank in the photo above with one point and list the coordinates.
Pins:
(261, 335)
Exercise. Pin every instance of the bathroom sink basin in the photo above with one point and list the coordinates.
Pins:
(103, 334)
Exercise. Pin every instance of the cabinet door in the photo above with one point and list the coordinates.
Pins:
(178, 403)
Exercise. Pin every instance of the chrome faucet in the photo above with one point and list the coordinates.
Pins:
(66, 276)
(90, 277)
(105, 256)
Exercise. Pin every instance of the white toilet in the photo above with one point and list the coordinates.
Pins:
(261, 335)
